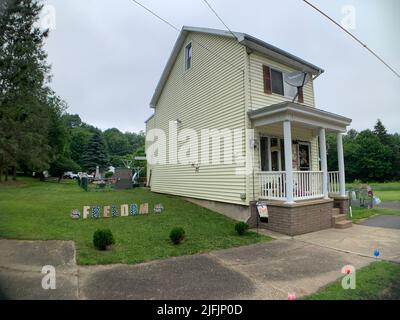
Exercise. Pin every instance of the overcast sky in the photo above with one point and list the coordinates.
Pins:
(108, 55)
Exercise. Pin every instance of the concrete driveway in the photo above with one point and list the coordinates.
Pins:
(267, 270)
(359, 239)
(383, 221)
(21, 264)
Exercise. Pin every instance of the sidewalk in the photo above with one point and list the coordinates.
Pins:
(267, 270)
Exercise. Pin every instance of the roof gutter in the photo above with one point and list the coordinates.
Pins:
(250, 41)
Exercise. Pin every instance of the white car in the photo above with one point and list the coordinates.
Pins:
(70, 175)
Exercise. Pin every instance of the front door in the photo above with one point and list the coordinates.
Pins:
(304, 156)
(273, 155)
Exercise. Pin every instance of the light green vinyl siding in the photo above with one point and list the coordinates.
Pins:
(215, 94)
(208, 95)
(258, 98)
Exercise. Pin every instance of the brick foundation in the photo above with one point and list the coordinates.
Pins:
(295, 219)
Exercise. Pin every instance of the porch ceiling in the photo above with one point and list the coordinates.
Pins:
(298, 113)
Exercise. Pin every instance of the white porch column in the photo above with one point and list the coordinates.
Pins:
(279, 155)
(287, 135)
(324, 162)
(269, 154)
(342, 181)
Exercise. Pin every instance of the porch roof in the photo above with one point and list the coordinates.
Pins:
(298, 113)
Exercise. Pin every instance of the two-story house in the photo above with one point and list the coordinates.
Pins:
(222, 96)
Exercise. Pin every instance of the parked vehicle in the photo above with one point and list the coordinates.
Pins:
(70, 175)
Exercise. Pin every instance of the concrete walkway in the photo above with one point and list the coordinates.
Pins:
(267, 270)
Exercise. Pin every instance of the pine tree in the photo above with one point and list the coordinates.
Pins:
(30, 135)
(380, 132)
(95, 153)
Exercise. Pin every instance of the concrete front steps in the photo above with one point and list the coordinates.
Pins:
(339, 221)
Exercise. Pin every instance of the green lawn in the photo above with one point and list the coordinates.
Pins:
(388, 191)
(379, 280)
(41, 210)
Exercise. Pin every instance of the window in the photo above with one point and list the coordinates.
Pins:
(304, 156)
(276, 81)
(273, 83)
(188, 56)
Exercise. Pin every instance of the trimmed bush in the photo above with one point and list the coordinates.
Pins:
(177, 235)
(108, 174)
(103, 238)
(241, 228)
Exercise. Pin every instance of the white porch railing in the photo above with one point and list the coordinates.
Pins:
(273, 185)
(333, 182)
(306, 185)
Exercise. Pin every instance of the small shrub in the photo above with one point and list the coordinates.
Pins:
(108, 174)
(241, 228)
(103, 238)
(177, 235)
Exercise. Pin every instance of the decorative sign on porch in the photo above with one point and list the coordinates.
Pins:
(114, 211)
(262, 209)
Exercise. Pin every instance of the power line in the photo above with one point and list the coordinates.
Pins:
(354, 37)
(156, 15)
(219, 18)
(195, 41)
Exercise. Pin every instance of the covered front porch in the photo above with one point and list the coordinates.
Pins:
(293, 156)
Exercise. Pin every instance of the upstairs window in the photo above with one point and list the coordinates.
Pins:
(273, 83)
(277, 82)
(188, 56)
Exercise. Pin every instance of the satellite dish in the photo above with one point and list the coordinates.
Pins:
(296, 79)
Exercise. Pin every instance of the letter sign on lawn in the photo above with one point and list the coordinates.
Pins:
(133, 209)
(106, 211)
(86, 212)
(124, 210)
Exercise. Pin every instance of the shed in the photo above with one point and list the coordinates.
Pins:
(123, 178)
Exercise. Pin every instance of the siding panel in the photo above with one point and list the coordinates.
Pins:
(209, 95)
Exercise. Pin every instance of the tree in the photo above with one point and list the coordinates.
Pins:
(31, 135)
(95, 153)
(61, 165)
(72, 120)
(78, 139)
(136, 140)
(118, 144)
(371, 157)
(380, 131)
